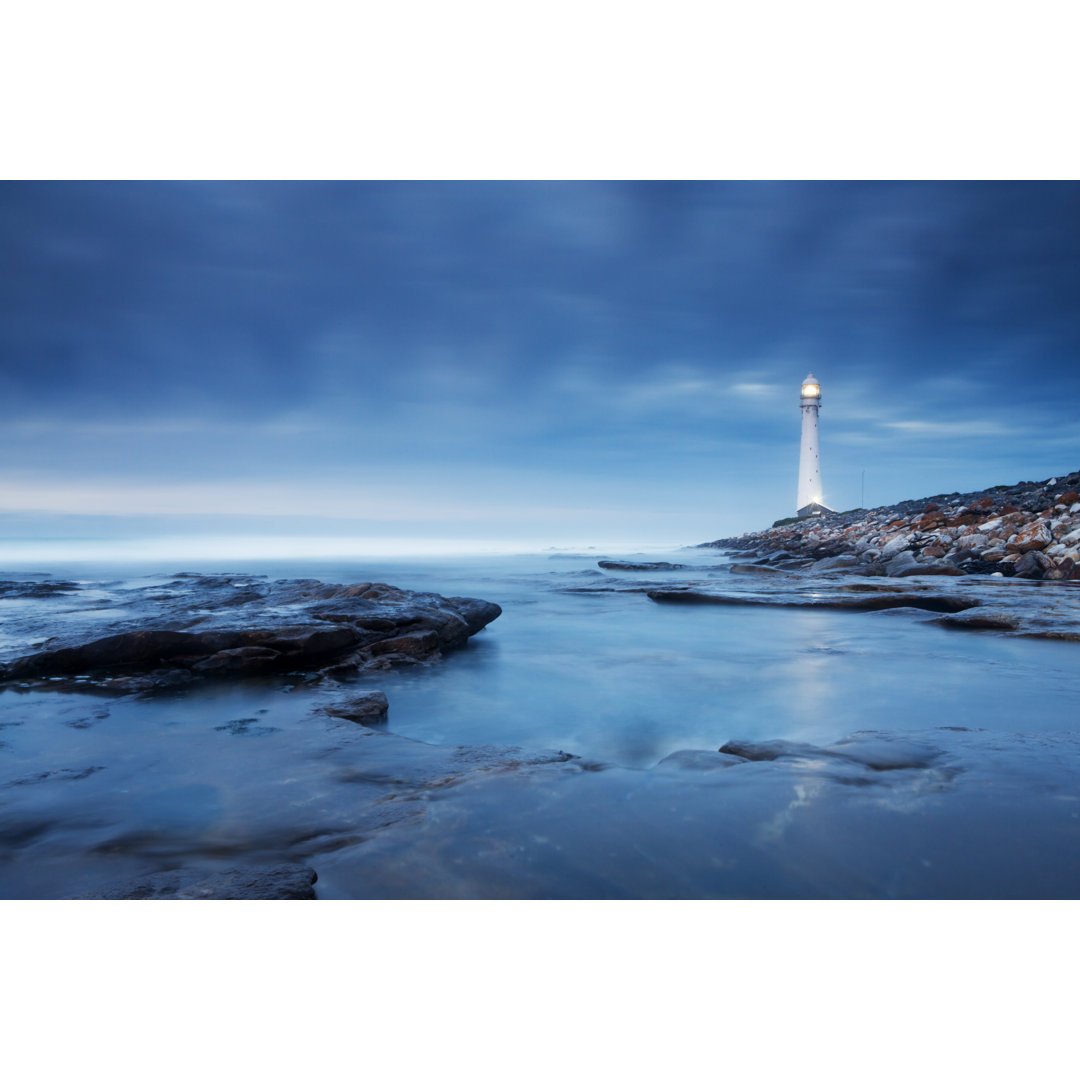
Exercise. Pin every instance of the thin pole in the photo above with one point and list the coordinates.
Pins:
(862, 491)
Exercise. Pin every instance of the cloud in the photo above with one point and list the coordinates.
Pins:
(279, 332)
(754, 389)
(953, 429)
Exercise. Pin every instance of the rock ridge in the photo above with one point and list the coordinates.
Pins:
(1029, 530)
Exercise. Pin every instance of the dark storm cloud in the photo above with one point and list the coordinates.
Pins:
(229, 297)
(540, 346)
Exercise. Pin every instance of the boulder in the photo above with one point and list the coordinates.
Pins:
(1032, 537)
(934, 567)
(895, 545)
(1032, 564)
(900, 563)
(367, 708)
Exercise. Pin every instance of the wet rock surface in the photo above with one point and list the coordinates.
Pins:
(368, 708)
(880, 602)
(611, 564)
(1003, 606)
(874, 750)
(223, 626)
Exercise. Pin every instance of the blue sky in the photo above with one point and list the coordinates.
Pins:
(519, 363)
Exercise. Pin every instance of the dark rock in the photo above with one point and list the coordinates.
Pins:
(876, 751)
(985, 566)
(610, 564)
(367, 708)
(249, 726)
(420, 645)
(873, 602)
(765, 751)
(36, 590)
(251, 628)
(1032, 564)
(938, 567)
(249, 660)
(280, 882)
(978, 621)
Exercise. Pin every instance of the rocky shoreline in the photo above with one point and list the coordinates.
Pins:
(1028, 530)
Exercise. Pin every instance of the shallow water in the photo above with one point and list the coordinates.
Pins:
(92, 788)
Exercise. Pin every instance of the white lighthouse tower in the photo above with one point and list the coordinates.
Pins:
(809, 499)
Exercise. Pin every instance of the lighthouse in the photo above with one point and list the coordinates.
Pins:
(809, 499)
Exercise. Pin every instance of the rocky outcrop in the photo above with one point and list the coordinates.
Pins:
(1029, 530)
(873, 602)
(224, 627)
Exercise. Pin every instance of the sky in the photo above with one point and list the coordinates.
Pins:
(469, 365)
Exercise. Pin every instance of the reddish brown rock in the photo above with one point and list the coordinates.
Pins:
(1032, 537)
(419, 646)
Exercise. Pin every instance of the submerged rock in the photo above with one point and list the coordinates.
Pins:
(874, 750)
(868, 602)
(696, 761)
(367, 708)
(979, 620)
(611, 564)
(36, 590)
(279, 882)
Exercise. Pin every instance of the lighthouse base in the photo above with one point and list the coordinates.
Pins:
(814, 510)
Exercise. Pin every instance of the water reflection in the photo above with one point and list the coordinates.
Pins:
(610, 676)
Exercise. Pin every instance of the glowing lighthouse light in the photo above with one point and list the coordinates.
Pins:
(809, 498)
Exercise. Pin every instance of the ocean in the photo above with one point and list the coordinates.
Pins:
(96, 787)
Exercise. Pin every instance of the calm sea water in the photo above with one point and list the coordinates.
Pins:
(608, 675)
